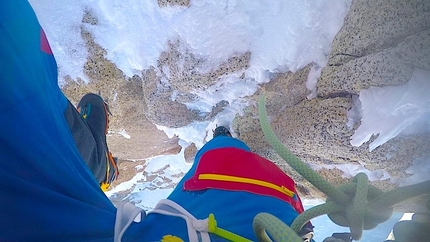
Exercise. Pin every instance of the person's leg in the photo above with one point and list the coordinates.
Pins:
(89, 125)
(48, 192)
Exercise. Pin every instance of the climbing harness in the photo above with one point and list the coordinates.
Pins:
(357, 205)
(126, 213)
(198, 229)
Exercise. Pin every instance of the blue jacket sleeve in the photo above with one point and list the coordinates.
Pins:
(48, 193)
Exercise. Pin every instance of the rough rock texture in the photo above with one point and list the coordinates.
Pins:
(176, 79)
(380, 44)
(126, 102)
(373, 26)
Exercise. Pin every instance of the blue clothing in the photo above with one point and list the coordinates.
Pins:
(48, 192)
(233, 210)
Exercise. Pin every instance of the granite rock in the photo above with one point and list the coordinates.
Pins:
(380, 44)
(173, 83)
(372, 26)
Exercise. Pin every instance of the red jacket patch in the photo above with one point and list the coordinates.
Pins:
(235, 169)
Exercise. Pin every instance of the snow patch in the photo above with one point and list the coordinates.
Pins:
(311, 81)
(126, 185)
(419, 171)
(392, 110)
(147, 191)
(229, 89)
(192, 133)
(134, 33)
(350, 171)
(62, 25)
(124, 134)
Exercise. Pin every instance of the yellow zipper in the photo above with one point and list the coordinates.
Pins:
(218, 177)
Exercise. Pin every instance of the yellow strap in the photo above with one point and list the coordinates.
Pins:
(104, 186)
(218, 177)
(171, 238)
(212, 224)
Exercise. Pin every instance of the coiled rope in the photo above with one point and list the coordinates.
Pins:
(357, 204)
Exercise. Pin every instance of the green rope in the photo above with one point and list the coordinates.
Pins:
(292, 160)
(276, 229)
(357, 205)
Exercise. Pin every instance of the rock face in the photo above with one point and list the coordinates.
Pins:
(179, 76)
(380, 44)
(131, 135)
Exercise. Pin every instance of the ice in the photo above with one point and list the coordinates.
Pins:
(229, 88)
(391, 110)
(192, 133)
(419, 171)
(311, 81)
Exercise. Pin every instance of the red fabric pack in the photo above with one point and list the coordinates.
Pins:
(235, 169)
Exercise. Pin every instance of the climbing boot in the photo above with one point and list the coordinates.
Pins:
(221, 130)
(95, 111)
